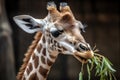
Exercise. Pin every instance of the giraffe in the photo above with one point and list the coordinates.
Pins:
(58, 33)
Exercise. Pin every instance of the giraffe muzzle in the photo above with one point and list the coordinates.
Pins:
(84, 56)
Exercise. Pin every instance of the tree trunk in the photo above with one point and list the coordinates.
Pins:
(7, 70)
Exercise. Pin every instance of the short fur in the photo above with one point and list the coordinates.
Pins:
(28, 55)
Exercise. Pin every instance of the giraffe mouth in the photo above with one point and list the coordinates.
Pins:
(83, 57)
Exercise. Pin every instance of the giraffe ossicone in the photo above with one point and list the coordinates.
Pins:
(58, 33)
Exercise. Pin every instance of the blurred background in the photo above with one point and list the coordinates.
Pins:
(101, 16)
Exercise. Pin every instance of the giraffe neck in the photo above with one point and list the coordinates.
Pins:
(40, 62)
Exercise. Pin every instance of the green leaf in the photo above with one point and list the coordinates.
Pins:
(103, 71)
(102, 65)
(92, 65)
(109, 66)
(95, 60)
(88, 70)
(108, 61)
(80, 76)
(110, 76)
(103, 68)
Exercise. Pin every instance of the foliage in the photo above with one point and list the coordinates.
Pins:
(101, 65)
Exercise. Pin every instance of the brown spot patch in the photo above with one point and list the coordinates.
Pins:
(44, 51)
(43, 71)
(28, 71)
(55, 41)
(59, 46)
(34, 77)
(64, 49)
(52, 56)
(36, 61)
(43, 39)
(30, 67)
(49, 62)
(39, 48)
(59, 50)
(51, 41)
(43, 59)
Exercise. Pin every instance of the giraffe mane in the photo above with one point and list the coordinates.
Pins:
(28, 55)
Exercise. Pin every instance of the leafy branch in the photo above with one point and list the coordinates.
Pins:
(101, 65)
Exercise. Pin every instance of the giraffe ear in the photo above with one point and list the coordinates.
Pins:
(28, 23)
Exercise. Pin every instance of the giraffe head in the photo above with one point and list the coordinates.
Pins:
(61, 31)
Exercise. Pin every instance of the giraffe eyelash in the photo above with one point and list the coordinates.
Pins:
(56, 33)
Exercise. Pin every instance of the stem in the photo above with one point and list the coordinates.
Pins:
(81, 73)
(82, 67)
(98, 55)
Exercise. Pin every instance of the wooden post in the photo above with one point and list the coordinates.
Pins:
(7, 70)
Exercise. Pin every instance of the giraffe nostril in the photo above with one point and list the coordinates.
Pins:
(83, 47)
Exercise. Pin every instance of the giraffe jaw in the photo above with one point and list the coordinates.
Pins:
(84, 56)
(81, 59)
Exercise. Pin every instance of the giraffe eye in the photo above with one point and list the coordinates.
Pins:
(56, 33)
